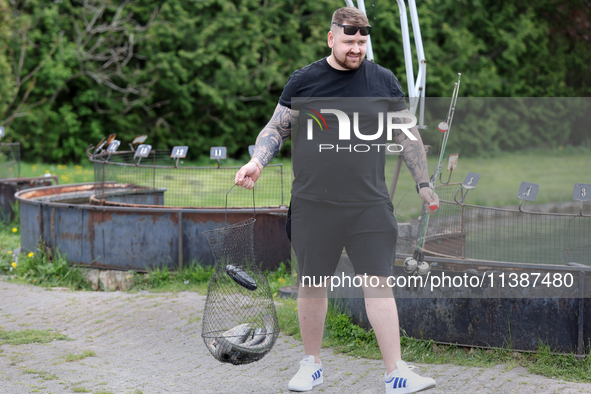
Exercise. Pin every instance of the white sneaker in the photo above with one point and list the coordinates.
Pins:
(404, 381)
(309, 375)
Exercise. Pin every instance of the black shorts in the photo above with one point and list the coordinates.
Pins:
(319, 232)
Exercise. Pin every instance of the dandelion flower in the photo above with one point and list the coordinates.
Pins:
(14, 230)
(14, 264)
(10, 252)
(295, 309)
(31, 254)
(128, 276)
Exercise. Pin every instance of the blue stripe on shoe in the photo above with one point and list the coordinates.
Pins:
(397, 382)
(316, 374)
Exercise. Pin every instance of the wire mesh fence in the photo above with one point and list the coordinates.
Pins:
(497, 234)
(10, 160)
(157, 174)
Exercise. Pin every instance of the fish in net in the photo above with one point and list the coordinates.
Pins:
(239, 321)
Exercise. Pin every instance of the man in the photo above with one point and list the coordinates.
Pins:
(339, 196)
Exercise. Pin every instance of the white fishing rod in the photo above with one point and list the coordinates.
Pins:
(416, 263)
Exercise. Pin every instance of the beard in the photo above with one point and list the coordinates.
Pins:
(347, 63)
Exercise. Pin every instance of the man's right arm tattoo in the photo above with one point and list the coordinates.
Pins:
(413, 152)
(274, 134)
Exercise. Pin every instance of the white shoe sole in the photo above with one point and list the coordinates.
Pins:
(293, 387)
(409, 390)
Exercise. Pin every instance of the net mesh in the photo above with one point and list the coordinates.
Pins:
(239, 325)
(578, 254)
(484, 233)
(9, 160)
(183, 186)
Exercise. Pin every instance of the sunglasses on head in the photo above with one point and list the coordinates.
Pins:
(351, 30)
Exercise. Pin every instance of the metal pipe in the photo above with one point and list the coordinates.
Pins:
(581, 341)
(406, 45)
(180, 219)
(369, 53)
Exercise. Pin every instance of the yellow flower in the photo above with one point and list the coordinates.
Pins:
(47, 172)
(57, 276)
(296, 308)
(14, 230)
(128, 276)
(31, 254)
(34, 280)
(10, 252)
(281, 280)
(14, 264)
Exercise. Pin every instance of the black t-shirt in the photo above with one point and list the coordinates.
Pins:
(338, 150)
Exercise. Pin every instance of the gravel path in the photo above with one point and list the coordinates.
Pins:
(150, 343)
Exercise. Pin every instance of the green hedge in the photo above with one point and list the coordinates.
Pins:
(209, 72)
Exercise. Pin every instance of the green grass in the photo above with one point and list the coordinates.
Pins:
(23, 337)
(194, 277)
(281, 277)
(80, 390)
(67, 173)
(80, 356)
(48, 270)
(42, 374)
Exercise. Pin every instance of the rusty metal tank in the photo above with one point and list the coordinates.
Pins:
(128, 236)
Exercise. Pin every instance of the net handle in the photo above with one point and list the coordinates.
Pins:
(226, 209)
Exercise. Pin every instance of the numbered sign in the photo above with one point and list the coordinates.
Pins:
(1, 131)
(140, 139)
(251, 150)
(471, 180)
(143, 151)
(179, 152)
(528, 191)
(217, 152)
(112, 148)
(452, 162)
(582, 192)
